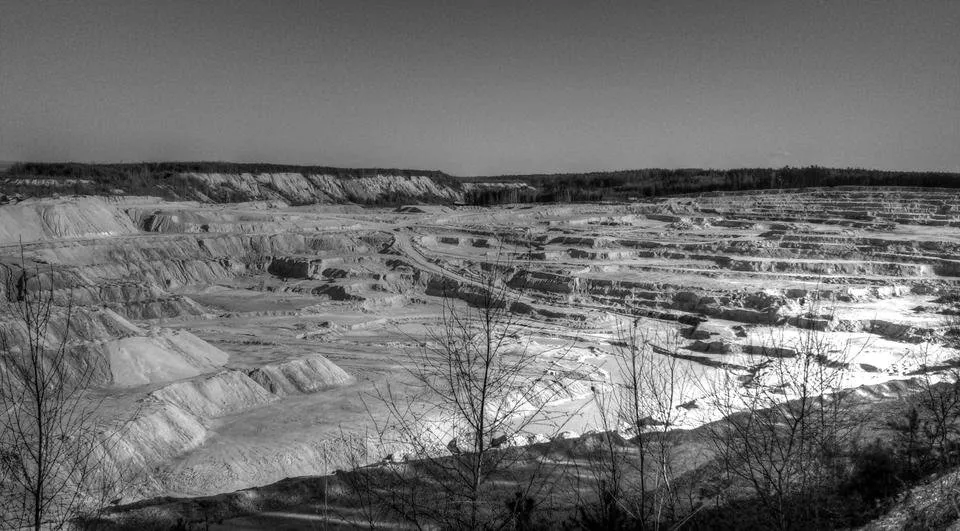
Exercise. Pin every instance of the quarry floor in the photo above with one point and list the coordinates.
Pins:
(222, 320)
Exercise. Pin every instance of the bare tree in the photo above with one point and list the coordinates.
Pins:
(928, 434)
(786, 427)
(479, 391)
(937, 405)
(635, 477)
(51, 467)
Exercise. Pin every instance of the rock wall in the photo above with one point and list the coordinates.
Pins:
(297, 188)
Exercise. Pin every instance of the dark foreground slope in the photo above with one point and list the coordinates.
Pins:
(876, 490)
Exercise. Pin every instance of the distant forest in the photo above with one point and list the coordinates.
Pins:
(167, 180)
(627, 184)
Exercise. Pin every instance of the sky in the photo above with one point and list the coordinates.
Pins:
(484, 87)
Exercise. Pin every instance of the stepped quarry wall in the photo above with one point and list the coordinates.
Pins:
(240, 335)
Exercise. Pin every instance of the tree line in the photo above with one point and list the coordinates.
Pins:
(653, 182)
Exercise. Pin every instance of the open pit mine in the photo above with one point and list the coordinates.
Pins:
(241, 341)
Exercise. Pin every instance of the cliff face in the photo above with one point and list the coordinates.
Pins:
(217, 182)
(299, 188)
(222, 182)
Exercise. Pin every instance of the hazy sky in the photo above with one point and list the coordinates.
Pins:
(484, 87)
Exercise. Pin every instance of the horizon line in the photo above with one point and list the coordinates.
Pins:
(6, 164)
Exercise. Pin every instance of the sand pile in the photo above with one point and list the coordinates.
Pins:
(159, 432)
(87, 217)
(161, 357)
(215, 395)
(305, 375)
